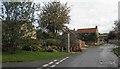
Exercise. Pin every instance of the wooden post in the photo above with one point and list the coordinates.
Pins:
(68, 42)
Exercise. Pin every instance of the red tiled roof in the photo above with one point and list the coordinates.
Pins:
(86, 30)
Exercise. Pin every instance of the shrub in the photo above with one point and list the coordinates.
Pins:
(118, 43)
(52, 49)
(28, 48)
(117, 51)
(32, 45)
(34, 48)
(49, 49)
(51, 42)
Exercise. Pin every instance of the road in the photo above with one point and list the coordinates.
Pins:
(101, 56)
(93, 57)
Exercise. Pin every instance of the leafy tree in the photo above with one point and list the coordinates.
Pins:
(88, 37)
(42, 37)
(112, 35)
(53, 17)
(53, 42)
(42, 34)
(15, 15)
(117, 25)
(117, 28)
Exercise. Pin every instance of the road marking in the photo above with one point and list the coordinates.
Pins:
(61, 61)
(50, 62)
(45, 65)
(55, 60)
(64, 59)
(67, 57)
(53, 66)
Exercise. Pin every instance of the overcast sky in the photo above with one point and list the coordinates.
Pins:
(91, 13)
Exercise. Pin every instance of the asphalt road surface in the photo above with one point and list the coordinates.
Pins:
(94, 57)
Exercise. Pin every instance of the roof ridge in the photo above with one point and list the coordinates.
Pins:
(87, 28)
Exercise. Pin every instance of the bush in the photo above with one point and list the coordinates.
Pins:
(51, 42)
(49, 49)
(118, 43)
(52, 49)
(28, 48)
(34, 48)
(32, 45)
(117, 51)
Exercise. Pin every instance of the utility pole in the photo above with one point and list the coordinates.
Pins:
(68, 42)
(118, 10)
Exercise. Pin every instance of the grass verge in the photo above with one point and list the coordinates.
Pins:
(117, 51)
(32, 56)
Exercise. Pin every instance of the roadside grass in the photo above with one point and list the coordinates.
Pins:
(21, 56)
(0, 57)
(117, 51)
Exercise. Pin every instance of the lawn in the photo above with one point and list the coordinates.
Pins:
(0, 57)
(32, 56)
(117, 51)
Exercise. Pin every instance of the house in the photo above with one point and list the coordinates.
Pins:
(70, 42)
(73, 41)
(89, 35)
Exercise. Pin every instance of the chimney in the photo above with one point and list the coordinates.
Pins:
(96, 27)
(74, 29)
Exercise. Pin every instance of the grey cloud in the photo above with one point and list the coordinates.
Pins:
(89, 13)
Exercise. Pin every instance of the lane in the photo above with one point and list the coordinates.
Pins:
(93, 57)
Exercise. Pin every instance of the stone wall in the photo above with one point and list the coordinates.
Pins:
(82, 43)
